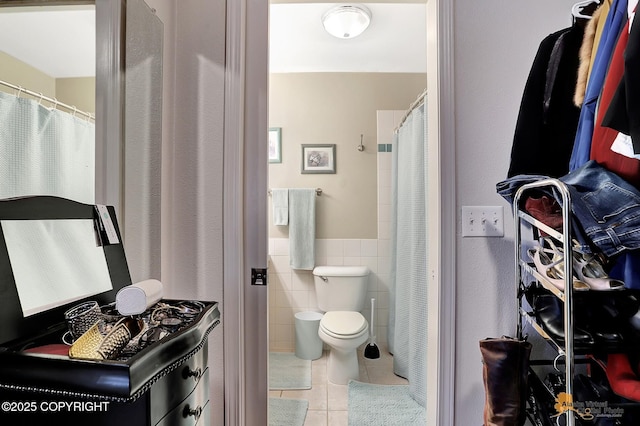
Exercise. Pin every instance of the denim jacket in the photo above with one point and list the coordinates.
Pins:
(605, 208)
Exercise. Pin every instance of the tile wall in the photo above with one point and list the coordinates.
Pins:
(292, 291)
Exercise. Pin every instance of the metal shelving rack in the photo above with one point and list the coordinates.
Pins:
(563, 238)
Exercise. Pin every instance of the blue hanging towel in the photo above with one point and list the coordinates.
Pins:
(280, 205)
(302, 228)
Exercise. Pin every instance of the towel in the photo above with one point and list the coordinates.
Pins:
(280, 205)
(302, 228)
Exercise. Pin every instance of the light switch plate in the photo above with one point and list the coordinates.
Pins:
(482, 221)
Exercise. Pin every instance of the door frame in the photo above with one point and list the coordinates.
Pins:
(245, 213)
(441, 315)
(245, 218)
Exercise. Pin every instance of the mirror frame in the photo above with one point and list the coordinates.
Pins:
(109, 111)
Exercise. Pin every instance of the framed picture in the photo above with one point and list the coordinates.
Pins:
(275, 145)
(318, 158)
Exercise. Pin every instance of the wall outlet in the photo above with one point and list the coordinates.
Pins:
(482, 221)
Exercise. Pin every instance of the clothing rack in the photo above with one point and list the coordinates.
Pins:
(318, 192)
(419, 101)
(56, 103)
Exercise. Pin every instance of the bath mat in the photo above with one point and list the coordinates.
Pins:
(286, 371)
(287, 412)
(383, 405)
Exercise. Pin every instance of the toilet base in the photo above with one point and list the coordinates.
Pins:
(342, 366)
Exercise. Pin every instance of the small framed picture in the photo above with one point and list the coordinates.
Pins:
(275, 145)
(318, 158)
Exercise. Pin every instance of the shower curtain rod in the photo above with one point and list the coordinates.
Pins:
(419, 101)
(56, 103)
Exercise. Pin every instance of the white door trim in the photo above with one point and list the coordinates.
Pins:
(245, 119)
(442, 214)
(233, 300)
(244, 310)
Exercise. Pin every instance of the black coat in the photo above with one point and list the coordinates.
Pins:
(548, 119)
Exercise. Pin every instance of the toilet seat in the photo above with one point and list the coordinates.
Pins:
(343, 324)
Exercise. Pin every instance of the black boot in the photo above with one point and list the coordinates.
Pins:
(505, 375)
(549, 310)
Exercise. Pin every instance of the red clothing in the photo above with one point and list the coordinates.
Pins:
(603, 137)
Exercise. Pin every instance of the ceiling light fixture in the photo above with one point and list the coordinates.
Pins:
(346, 21)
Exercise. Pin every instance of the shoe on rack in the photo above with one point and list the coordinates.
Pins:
(587, 389)
(589, 270)
(606, 315)
(551, 270)
(586, 267)
(549, 311)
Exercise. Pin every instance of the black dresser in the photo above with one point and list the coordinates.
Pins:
(164, 381)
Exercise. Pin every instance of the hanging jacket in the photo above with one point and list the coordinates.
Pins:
(623, 113)
(604, 137)
(616, 19)
(589, 48)
(547, 120)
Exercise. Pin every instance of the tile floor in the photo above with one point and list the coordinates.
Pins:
(328, 402)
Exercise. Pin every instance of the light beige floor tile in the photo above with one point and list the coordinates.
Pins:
(328, 403)
(337, 397)
(386, 378)
(364, 374)
(319, 371)
(317, 396)
(338, 418)
(316, 418)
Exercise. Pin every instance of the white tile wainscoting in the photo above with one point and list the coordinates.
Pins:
(292, 291)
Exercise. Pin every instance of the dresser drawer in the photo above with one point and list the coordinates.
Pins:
(169, 391)
(193, 410)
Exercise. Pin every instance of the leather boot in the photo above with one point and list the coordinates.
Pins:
(505, 375)
(549, 310)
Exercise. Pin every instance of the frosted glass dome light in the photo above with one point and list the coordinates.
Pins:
(346, 21)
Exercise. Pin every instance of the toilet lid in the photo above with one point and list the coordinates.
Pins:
(343, 323)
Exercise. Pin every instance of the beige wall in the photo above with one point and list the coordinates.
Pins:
(17, 72)
(335, 108)
(79, 92)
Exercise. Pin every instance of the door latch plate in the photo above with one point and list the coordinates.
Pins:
(258, 276)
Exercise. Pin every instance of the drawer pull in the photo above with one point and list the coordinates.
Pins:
(195, 412)
(196, 374)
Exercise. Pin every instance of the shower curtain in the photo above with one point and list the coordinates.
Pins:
(45, 151)
(408, 287)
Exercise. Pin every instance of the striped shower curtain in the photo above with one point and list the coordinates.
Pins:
(45, 151)
(408, 293)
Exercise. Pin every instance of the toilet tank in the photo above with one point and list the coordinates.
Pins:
(341, 288)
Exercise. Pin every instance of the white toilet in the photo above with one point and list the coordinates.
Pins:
(341, 292)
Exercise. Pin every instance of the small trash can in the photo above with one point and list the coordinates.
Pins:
(308, 343)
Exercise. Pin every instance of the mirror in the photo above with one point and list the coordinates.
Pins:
(127, 139)
(55, 262)
(47, 102)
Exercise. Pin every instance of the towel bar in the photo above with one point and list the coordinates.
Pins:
(318, 192)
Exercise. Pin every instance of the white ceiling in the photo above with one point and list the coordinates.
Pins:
(61, 42)
(394, 42)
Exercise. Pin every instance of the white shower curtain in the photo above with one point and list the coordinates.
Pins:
(408, 293)
(45, 151)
